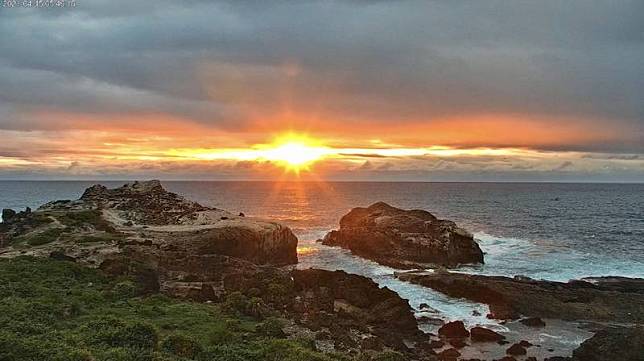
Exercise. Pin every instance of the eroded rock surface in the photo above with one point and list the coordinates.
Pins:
(510, 298)
(103, 220)
(624, 344)
(404, 238)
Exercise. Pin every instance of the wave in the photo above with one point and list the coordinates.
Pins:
(547, 259)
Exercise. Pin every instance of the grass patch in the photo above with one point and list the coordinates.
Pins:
(100, 238)
(56, 310)
(37, 239)
(88, 217)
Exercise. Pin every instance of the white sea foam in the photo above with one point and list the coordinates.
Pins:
(543, 259)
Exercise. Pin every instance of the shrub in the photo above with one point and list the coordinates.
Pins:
(181, 345)
(221, 334)
(90, 217)
(116, 333)
(41, 238)
(238, 304)
(125, 289)
(381, 356)
(271, 327)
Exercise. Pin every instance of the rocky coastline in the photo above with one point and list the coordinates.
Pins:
(168, 245)
(182, 249)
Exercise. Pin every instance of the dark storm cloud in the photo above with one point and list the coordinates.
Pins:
(378, 61)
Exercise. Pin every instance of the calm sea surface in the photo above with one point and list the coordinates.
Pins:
(549, 231)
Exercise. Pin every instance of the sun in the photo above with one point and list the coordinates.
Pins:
(294, 151)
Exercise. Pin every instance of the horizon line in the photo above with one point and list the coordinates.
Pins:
(325, 181)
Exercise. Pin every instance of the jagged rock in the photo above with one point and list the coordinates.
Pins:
(454, 329)
(510, 298)
(624, 344)
(7, 214)
(481, 334)
(403, 238)
(362, 297)
(516, 350)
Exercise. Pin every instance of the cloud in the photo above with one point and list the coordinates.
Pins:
(565, 165)
(548, 75)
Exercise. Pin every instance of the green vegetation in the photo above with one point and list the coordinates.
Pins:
(61, 311)
(100, 238)
(91, 217)
(39, 238)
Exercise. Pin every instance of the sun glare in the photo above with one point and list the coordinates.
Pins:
(295, 152)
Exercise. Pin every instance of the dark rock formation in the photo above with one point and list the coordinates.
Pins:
(481, 334)
(510, 298)
(623, 344)
(7, 214)
(454, 329)
(516, 350)
(357, 300)
(403, 238)
(618, 284)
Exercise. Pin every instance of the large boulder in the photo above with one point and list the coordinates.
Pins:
(482, 334)
(404, 238)
(624, 344)
(454, 329)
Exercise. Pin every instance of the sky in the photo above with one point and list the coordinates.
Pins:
(458, 90)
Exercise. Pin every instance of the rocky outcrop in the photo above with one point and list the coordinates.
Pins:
(454, 329)
(624, 344)
(358, 303)
(144, 202)
(404, 238)
(482, 334)
(510, 298)
(103, 220)
(381, 307)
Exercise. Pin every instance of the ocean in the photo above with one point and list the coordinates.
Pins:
(554, 231)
